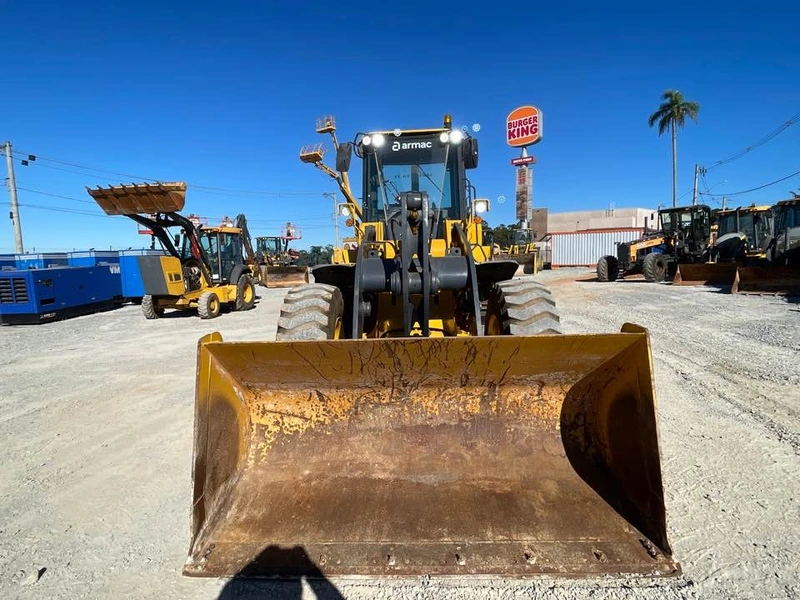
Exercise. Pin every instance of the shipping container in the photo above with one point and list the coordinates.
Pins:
(90, 258)
(132, 286)
(584, 248)
(41, 260)
(40, 295)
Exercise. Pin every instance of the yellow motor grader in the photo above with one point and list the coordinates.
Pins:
(420, 411)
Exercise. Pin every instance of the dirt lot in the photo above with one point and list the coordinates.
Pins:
(96, 429)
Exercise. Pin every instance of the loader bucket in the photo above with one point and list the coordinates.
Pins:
(284, 277)
(140, 199)
(767, 280)
(501, 455)
(527, 263)
(715, 274)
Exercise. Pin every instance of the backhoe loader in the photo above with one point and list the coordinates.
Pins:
(277, 263)
(203, 268)
(420, 411)
(742, 235)
(778, 272)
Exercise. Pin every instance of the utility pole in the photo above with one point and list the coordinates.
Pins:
(12, 190)
(724, 202)
(332, 196)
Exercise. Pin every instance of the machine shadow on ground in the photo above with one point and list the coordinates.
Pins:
(286, 568)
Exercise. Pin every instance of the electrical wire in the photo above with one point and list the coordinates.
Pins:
(760, 187)
(770, 136)
(19, 155)
(40, 192)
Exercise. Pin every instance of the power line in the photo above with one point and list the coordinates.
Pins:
(770, 136)
(40, 192)
(198, 188)
(74, 211)
(760, 187)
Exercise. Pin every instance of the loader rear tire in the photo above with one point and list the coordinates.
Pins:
(607, 268)
(521, 307)
(655, 267)
(151, 309)
(245, 293)
(312, 312)
(208, 305)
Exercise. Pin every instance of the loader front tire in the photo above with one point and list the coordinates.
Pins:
(654, 267)
(607, 268)
(151, 309)
(521, 307)
(245, 293)
(208, 305)
(314, 311)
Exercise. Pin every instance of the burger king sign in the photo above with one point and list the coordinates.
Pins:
(524, 126)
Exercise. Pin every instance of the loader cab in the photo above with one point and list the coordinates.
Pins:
(268, 246)
(756, 225)
(222, 245)
(689, 227)
(432, 161)
(522, 237)
(786, 237)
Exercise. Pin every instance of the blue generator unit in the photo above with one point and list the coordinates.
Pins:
(132, 285)
(41, 260)
(91, 258)
(8, 262)
(41, 295)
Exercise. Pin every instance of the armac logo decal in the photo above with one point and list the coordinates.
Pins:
(411, 145)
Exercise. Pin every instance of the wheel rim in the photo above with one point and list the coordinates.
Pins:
(213, 305)
(493, 325)
(337, 329)
(248, 294)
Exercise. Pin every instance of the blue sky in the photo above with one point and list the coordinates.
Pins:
(225, 95)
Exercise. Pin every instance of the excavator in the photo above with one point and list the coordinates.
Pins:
(778, 269)
(742, 236)
(203, 269)
(420, 411)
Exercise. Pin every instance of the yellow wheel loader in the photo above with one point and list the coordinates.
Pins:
(742, 236)
(420, 411)
(523, 251)
(778, 271)
(203, 268)
(276, 261)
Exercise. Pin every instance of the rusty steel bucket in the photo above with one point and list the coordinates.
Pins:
(142, 198)
(502, 455)
(767, 280)
(284, 277)
(720, 274)
(526, 261)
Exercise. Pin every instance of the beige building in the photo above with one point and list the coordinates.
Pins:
(618, 218)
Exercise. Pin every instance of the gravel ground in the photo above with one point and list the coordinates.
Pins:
(96, 424)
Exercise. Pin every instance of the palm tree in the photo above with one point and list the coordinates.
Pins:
(672, 112)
